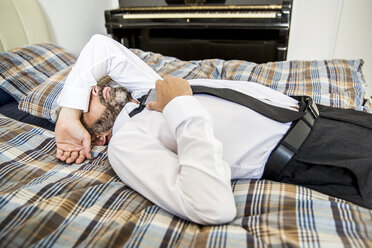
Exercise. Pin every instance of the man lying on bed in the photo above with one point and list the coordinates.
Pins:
(183, 150)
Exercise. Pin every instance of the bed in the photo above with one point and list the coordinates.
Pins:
(47, 203)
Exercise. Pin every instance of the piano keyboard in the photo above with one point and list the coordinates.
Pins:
(188, 15)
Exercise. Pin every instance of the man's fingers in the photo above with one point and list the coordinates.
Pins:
(59, 153)
(151, 105)
(65, 156)
(81, 158)
(72, 158)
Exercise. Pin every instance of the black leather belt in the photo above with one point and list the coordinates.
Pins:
(293, 139)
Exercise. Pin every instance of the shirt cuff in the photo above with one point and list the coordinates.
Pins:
(180, 109)
(75, 98)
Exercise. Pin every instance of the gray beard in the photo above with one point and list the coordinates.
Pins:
(119, 96)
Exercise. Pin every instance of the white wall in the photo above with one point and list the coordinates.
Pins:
(354, 37)
(72, 22)
(332, 29)
(320, 29)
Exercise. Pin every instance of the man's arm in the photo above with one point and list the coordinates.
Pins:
(198, 190)
(194, 183)
(101, 56)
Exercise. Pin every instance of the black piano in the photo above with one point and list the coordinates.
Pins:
(253, 30)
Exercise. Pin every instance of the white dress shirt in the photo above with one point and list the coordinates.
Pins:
(184, 158)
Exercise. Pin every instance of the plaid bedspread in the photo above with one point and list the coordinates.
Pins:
(46, 203)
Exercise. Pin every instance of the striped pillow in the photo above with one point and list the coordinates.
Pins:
(42, 100)
(22, 69)
(337, 83)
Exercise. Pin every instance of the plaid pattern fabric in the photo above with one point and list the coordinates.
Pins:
(367, 107)
(41, 101)
(22, 69)
(337, 83)
(46, 203)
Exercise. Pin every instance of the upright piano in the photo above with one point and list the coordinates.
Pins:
(253, 30)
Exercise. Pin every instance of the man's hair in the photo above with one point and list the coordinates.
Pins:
(105, 81)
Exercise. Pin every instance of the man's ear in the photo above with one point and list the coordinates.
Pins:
(95, 90)
(99, 140)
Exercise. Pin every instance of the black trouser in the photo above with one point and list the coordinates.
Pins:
(336, 157)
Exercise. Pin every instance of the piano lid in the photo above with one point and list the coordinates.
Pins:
(189, 4)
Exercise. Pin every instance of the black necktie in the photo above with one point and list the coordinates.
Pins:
(141, 106)
(273, 112)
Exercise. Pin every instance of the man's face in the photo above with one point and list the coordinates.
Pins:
(105, 105)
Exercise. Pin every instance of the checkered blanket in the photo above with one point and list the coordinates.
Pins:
(46, 203)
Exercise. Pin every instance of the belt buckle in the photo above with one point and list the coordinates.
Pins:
(312, 106)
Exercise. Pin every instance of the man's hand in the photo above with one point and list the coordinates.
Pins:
(72, 139)
(167, 90)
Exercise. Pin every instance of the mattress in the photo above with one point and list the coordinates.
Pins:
(47, 203)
